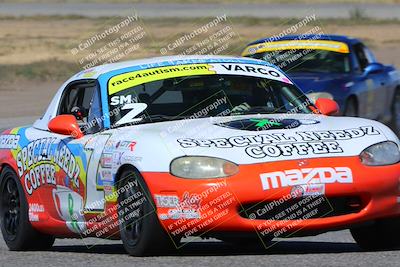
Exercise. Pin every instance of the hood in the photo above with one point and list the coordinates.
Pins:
(317, 82)
(256, 139)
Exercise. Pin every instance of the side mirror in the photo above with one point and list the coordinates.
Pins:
(65, 125)
(373, 68)
(327, 106)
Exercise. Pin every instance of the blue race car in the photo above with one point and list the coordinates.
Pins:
(336, 67)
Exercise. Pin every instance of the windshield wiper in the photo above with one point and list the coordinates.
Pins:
(160, 117)
(150, 119)
(258, 110)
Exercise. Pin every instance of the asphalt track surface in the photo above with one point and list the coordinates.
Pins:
(331, 249)
(158, 10)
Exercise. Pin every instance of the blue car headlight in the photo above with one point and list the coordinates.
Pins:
(385, 153)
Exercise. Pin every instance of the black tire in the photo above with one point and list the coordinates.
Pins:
(17, 231)
(351, 108)
(395, 123)
(384, 234)
(141, 232)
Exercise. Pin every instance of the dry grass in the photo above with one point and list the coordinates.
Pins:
(39, 47)
(35, 53)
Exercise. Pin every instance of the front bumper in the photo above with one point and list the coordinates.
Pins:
(239, 203)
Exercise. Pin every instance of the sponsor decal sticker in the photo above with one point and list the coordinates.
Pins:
(166, 201)
(9, 141)
(130, 158)
(126, 145)
(324, 175)
(308, 190)
(281, 144)
(127, 80)
(297, 44)
(38, 164)
(69, 206)
(185, 208)
(106, 175)
(176, 214)
(117, 156)
(123, 100)
(34, 210)
(106, 160)
(110, 193)
(261, 124)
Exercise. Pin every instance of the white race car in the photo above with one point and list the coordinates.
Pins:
(151, 151)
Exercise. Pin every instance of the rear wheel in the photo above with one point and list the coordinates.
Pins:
(17, 231)
(396, 112)
(384, 234)
(140, 230)
(350, 109)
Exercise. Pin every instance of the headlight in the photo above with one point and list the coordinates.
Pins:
(197, 167)
(384, 153)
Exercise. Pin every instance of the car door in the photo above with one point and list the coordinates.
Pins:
(79, 194)
(371, 86)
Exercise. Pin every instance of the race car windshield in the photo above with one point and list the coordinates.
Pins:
(204, 96)
(307, 60)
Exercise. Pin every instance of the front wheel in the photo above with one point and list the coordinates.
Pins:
(384, 234)
(140, 230)
(17, 231)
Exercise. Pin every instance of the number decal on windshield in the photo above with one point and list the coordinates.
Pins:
(136, 109)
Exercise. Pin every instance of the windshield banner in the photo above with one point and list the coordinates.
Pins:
(296, 44)
(127, 80)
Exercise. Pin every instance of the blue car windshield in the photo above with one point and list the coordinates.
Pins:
(307, 60)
